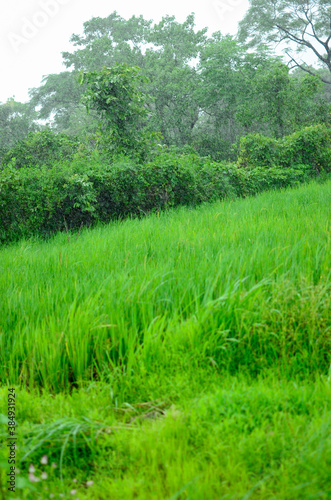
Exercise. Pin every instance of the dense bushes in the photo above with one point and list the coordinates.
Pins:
(46, 199)
(40, 149)
(85, 187)
(309, 146)
(257, 150)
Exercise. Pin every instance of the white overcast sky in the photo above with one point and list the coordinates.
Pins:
(33, 33)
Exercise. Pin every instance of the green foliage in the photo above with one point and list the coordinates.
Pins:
(262, 179)
(311, 100)
(166, 52)
(184, 287)
(40, 149)
(47, 196)
(170, 64)
(114, 93)
(40, 196)
(243, 92)
(197, 90)
(185, 353)
(302, 25)
(272, 100)
(57, 99)
(213, 142)
(106, 41)
(44, 200)
(257, 150)
(310, 146)
(16, 121)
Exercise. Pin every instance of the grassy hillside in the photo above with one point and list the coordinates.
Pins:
(182, 356)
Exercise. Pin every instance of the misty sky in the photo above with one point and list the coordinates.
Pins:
(33, 33)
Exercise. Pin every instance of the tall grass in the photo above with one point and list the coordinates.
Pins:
(240, 285)
(210, 437)
(183, 356)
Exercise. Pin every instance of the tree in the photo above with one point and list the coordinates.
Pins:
(103, 43)
(312, 101)
(173, 78)
(165, 52)
(222, 84)
(42, 148)
(107, 41)
(114, 93)
(244, 92)
(16, 121)
(58, 100)
(281, 102)
(236, 86)
(304, 24)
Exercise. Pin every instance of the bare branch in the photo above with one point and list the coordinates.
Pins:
(301, 41)
(314, 32)
(296, 64)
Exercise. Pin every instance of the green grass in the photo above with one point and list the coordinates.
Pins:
(182, 356)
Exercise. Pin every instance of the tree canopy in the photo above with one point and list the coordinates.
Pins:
(300, 24)
(200, 91)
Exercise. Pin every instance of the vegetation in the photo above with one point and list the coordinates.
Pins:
(40, 149)
(201, 91)
(310, 146)
(91, 188)
(165, 312)
(113, 93)
(16, 121)
(184, 354)
(304, 25)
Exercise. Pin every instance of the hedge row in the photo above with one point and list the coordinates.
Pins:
(309, 146)
(41, 149)
(42, 201)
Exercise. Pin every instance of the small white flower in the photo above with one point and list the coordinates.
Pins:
(33, 478)
(32, 469)
(74, 480)
(54, 465)
(51, 495)
(44, 460)
(89, 483)
(73, 492)
(44, 475)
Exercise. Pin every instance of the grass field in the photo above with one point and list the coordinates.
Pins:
(183, 356)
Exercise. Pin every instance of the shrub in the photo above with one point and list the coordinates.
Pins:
(39, 200)
(257, 150)
(215, 146)
(260, 179)
(41, 149)
(309, 146)
(43, 200)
